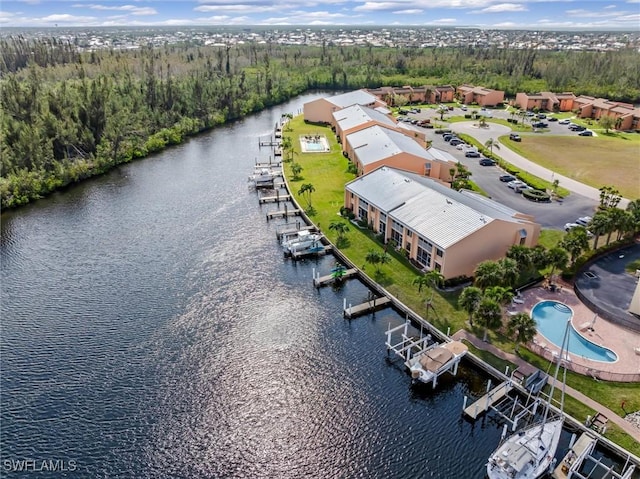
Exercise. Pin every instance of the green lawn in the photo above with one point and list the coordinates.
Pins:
(596, 161)
(327, 172)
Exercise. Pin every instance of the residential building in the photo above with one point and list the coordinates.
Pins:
(357, 117)
(321, 110)
(439, 228)
(376, 146)
(545, 100)
(627, 116)
(484, 97)
(426, 94)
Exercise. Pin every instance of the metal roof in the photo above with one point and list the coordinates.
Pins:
(358, 97)
(355, 115)
(431, 209)
(376, 143)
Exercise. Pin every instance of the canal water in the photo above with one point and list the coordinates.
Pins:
(152, 328)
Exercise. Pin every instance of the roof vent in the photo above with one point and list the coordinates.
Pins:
(407, 180)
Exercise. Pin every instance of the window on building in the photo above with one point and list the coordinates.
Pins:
(439, 253)
(382, 226)
(363, 210)
(396, 232)
(423, 253)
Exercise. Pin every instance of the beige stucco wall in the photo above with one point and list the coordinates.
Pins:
(319, 110)
(491, 98)
(407, 162)
(488, 243)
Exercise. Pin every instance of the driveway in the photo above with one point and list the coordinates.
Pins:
(552, 215)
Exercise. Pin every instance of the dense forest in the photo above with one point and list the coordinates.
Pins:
(66, 116)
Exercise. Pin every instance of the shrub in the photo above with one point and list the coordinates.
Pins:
(536, 195)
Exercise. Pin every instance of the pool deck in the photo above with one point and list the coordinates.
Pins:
(622, 341)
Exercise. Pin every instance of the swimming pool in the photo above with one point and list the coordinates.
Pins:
(551, 319)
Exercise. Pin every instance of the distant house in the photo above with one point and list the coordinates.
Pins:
(441, 229)
(626, 115)
(545, 100)
(321, 110)
(479, 95)
(426, 94)
(376, 146)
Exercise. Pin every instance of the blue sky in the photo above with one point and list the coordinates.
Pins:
(517, 14)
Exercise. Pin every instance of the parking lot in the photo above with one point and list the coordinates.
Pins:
(552, 215)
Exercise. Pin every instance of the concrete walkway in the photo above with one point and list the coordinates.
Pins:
(527, 369)
(495, 130)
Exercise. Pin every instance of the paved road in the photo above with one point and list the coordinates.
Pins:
(550, 215)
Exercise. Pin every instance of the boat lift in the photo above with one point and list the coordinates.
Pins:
(410, 348)
(579, 462)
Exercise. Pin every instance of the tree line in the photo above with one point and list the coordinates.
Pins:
(66, 115)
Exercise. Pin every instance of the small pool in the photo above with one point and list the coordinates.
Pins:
(314, 143)
(551, 319)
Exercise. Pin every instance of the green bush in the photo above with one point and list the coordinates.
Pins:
(536, 195)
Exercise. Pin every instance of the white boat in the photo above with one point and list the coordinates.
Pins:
(300, 241)
(432, 362)
(263, 178)
(530, 453)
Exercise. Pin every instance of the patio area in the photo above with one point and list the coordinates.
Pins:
(625, 343)
(314, 144)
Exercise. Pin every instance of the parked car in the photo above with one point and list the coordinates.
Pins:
(456, 142)
(507, 178)
(464, 108)
(472, 154)
(530, 113)
(486, 162)
(570, 226)
(516, 184)
(448, 136)
(574, 127)
(585, 133)
(566, 121)
(540, 124)
(552, 118)
(461, 146)
(515, 137)
(584, 220)
(542, 116)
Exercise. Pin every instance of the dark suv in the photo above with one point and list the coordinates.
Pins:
(515, 137)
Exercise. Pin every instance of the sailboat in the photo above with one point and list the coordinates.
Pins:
(529, 453)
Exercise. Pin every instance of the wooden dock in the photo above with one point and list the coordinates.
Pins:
(373, 305)
(288, 228)
(283, 213)
(575, 456)
(483, 404)
(325, 280)
(271, 164)
(274, 199)
(269, 142)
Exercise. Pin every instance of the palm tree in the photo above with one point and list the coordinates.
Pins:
(617, 220)
(441, 111)
(469, 300)
(599, 225)
(510, 271)
(377, 258)
(488, 273)
(500, 295)
(490, 143)
(489, 313)
(305, 191)
(339, 227)
(575, 242)
(557, 258)
(431, 279)
(634, 208)
(296, 169)
(524, 328)
(609, 197)
(521, 255)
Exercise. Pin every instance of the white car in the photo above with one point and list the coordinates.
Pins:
(566, 121)
(462, 146)
(570, 226)
(584, 220)
(516, 184)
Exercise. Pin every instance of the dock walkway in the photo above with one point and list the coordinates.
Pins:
(373, 305)
(325, 280)
(483, 404)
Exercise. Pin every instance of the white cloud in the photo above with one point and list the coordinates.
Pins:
(65, 18)
(236, 8)
(414, 11)
(503, 7)
(608, 7)
(132, 9)
(445, 21)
